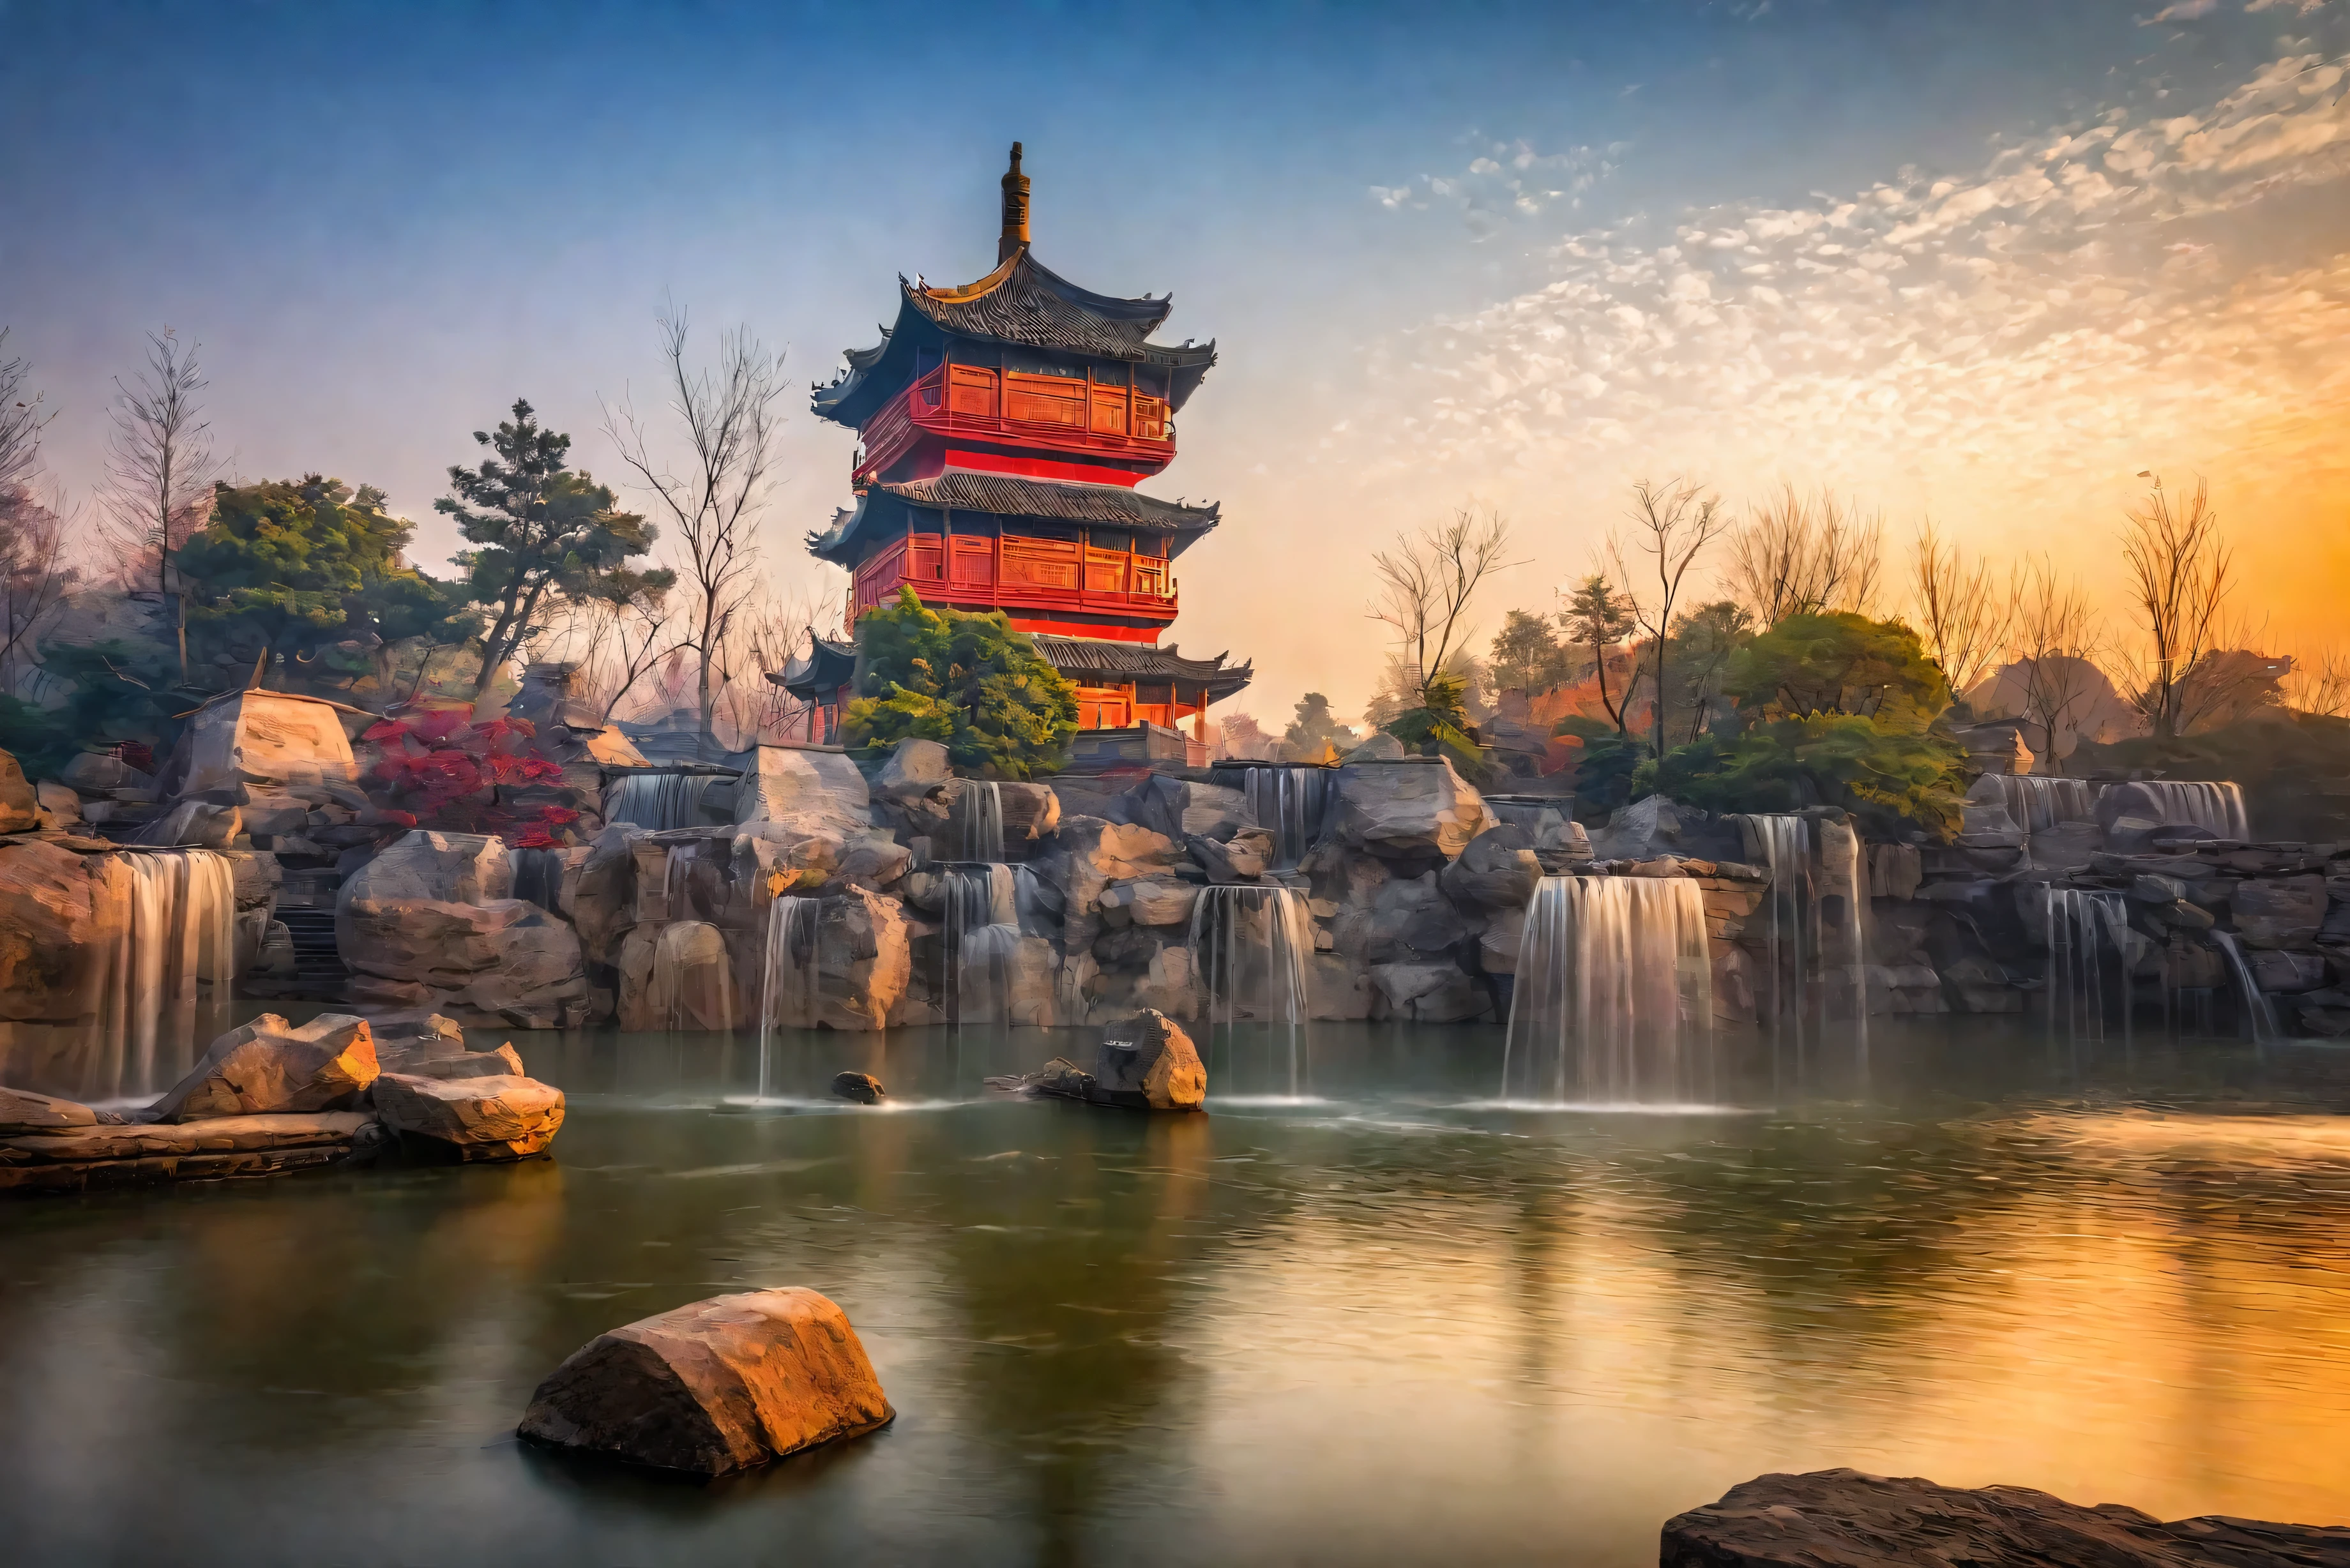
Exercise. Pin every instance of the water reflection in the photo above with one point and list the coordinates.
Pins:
(1394, 1324)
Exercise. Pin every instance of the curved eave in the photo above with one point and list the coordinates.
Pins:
(1011, 501)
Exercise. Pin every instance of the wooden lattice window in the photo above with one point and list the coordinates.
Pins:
(1109, 410)
(971, 391)
(1044, 401)
(1149, 418)
(1041, 563)
(974, 560)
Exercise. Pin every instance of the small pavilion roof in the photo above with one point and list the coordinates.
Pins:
(1100, 661)
(828, 665)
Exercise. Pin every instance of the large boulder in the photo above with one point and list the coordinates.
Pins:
(789, 784)
(441, 867)
(1654, 826)
(914, 769)
(1147, 1062)
(1844, 1519)
(1152, 901)
(478, 1119)
(1497, 871)
(851, 963)
(1408, 810)
(59, 913)
(505, 961)
(679, 976)
(1178, 809)
(722, 1384)
(272, 736)
(1428, 993)
(20, 807)
(270, 1067)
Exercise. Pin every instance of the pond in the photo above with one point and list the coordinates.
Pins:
(1390, 1321)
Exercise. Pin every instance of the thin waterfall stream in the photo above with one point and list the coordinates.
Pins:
(1251, 941)
(168, 974)
(1614, 1000)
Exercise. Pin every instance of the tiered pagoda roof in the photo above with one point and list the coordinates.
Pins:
(1091, 659)
(1023, 301)
(882, 508)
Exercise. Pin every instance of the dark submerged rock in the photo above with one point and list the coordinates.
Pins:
(862, 1087)
(1846, 1519)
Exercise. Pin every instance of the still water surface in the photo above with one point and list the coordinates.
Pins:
(1396, 1323)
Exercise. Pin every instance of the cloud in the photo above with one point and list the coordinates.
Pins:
(2065, 311)
(1507, 181)
(2184, 11)
(2300, 7)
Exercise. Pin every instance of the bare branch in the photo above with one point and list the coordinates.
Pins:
(21, 419)
(159, 460)
(1803, 555)
(1427, 583)
(2180, 573)
(1673, 524)
(1962, 613)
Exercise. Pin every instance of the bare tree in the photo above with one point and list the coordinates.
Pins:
(1962, 612)
(2320, 684)
(32, 574)
(2056, 640)
(21, 419)
(1804, 554)
(1426, 585)
(1672, 525)
(730, 424)
(2179, 574)
(160, 457)
(765, 634)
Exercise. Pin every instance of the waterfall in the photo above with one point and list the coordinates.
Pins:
(2259, 1013)
(178, 929)
(538, 877)
(1791, 933)
(1842, 839)
(2083, 927)
(657, 802)
(1294, 803)
(1613, 994)
(787, 985)
(1251, 941)
(2038, 802)
(986, 905)
(2197, 804)
(692, 984)
(979, 820)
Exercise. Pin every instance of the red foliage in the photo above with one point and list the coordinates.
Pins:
(444, 768)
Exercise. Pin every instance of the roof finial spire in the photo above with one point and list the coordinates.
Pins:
(1015, 211)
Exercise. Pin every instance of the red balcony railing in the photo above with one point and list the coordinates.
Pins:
(1052, 413)
(1031, 576)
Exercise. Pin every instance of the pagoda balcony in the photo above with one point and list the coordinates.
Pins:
(1030, 579)
(1121, 434)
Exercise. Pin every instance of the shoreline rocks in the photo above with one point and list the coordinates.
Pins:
(1847, 1518)
(721, 1385)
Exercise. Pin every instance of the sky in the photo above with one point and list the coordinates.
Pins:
(1979, 262)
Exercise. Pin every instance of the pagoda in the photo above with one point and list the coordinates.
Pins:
(1003, 427)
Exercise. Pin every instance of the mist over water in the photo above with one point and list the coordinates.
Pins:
(1393, 1322)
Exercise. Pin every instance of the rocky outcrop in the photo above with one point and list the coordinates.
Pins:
(436, 867)
(860, 1088)
(505, 961)
(1844, 1519)
(20, 807)
(679, 975)
(1497, 871)
(57, 923)
(84, 1159)
(254, 737)
(1411, 810)
(22, 1111)
(270, 1066)
(477, 1118)
(1147, 1062)
(722, 1385)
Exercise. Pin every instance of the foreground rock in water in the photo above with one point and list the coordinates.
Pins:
(501, 1118)
(1145, 1063)
(862, 1087)
(1844, 1519)
(269, 1067)
(22, 1111)
(719, 1386)
(84, 1158)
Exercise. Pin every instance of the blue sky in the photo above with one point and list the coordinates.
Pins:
(382, 223)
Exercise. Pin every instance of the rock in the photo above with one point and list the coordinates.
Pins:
(677, 976)
(915, 768)
(1996, 748)
(722, 1384)
(195, 824)
(505, 1061)
(81, 1159)
(862, 1087)
(2153, 890)
(57, 806)
(2131, 835)
(1409, 810)
(503, 1117)
(94, 772)
(1147, 1062)
(436, 867)
(270, 1067)
(813, 789)
(1059, 1078)
(2281, 911)
(265, 735)
(2277, 972)
(1498, 870)
(1242, 860)
(1844, 1519)
(1380, 748)
(59, 914)
(1337, 990)
(504, 961)
(604, 900)
(1430, 993)
(1155, 901)
(1114, 852)
(403, 1038)
(2185, 916)
(1654, 826)
(19, 807)
(23, 1111)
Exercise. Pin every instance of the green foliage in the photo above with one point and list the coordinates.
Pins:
(1890, 777)
(1598, 618)
(1697, 657)
(969, 681)
(291, 569)
(1527, 655)
(120, 691)
(1606, 767)
(41, 741)
(1316, 726)
(1839, 663)
(1440, 727)
(543, 532)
